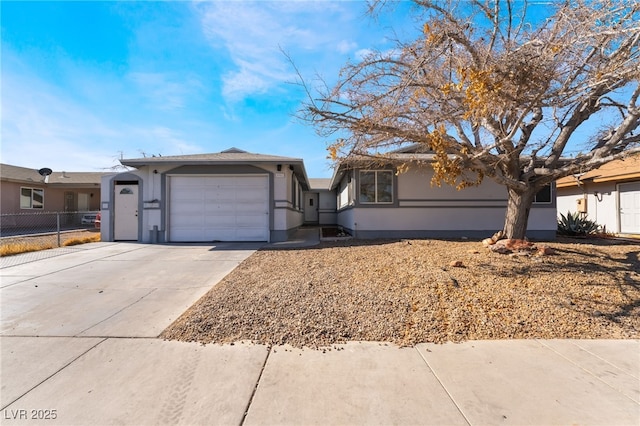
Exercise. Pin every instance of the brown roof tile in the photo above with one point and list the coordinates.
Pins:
(617, 170)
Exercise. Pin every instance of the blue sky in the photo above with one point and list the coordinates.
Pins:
(86, 82)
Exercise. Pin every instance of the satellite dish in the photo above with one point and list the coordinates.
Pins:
(45, 171)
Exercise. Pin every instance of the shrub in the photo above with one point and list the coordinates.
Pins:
(83, 240)
(23, 247)
(576, 224)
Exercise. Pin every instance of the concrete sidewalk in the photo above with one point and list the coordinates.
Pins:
(83, 381)
(78, 346)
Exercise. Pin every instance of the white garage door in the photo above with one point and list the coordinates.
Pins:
(218, 208)
(629, 208)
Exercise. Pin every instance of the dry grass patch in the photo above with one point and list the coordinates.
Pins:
(408, 292)
(24, 244)
(74, 241)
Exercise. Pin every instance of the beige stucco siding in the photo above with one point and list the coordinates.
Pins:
(327, 206)
(416, 185)
(422, 210)
(156, 186)
(603, 208)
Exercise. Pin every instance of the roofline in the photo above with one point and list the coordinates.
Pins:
(597, 179)
(298, 163)
(175, 161)
(355, 163)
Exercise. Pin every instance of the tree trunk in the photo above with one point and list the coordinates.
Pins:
(517, 217)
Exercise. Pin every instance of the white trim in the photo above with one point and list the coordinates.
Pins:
(619, 206)
(31, 189)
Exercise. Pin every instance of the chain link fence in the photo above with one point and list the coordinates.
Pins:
(45, 229)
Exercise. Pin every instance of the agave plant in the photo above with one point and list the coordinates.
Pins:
(576, 224)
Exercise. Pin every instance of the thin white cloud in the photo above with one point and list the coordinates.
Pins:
(44, 126)
(255, 34)
(164, 91)
(345, 46)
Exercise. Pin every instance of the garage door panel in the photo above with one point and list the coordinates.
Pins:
(251, 205)
(187, 221)
(220, 221)
(218, 208)
(249, 234)
(214, 208)
(220, 181)
(251, 181)
(192, 181)
(250, 193)
(250, 221)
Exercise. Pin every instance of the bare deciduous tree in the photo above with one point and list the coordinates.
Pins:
(494, 92)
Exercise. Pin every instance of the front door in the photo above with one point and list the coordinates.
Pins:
(629, 208)
(125, 221)
(311, 207)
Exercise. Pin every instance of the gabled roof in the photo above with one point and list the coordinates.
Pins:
(230, 157)
(26, 175)
(613, 171)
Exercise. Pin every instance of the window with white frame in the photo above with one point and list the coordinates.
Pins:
(375, 187)
(31, 198)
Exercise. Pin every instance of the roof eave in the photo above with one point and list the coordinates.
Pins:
(297, 163)
(142, 163)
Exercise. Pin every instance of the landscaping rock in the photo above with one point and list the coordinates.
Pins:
(393, 291)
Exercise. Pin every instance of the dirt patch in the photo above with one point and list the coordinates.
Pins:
(413, 291)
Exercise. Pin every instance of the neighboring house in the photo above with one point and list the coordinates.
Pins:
(24, 190)
(228, 196)
(239, 196)
(31, 202)
(379, 202)
(609, 195)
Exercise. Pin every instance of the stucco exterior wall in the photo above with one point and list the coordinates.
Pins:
(285, 215)
(602, 208)
(416, 185)
(287, 200)
(420, 210)
(327, 206)
(54, 197)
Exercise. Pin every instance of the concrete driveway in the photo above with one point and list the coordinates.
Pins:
(79, 346)
(109, 289)
(78, 336)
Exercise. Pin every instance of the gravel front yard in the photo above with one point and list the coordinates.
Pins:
(407, 292)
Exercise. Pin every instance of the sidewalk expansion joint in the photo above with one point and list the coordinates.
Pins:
(54, 374)
(589, 371)
(255, 389)
(453, 401)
